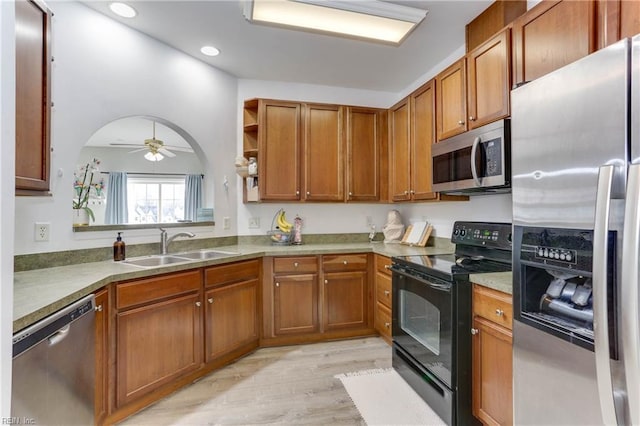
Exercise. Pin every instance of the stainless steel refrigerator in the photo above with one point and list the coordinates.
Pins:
(576, 216)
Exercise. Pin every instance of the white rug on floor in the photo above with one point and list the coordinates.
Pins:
(384, 398)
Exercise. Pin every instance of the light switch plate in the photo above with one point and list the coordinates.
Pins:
(254, 222)
(226, 223)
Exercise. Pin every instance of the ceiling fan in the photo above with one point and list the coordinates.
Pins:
(155, 147)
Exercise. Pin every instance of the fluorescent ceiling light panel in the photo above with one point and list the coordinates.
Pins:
(370, 19)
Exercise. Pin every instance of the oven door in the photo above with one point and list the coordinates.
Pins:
(422, 321)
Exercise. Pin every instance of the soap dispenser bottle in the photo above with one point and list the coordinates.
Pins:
(118, 249)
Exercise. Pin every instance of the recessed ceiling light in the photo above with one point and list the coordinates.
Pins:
(123, 10)
(209, 51)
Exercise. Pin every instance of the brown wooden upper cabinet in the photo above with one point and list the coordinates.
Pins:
(412, 132)
(33, 97)
(323, 153)
(313, 152)
(451, 100)
(551, 35)
(489, 80)
(279, 151)
(619, 19)
(365, 136)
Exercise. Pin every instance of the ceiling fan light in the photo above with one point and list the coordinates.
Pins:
(123, 9)
(153, 156)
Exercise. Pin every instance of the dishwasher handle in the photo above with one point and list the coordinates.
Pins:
(53, 328)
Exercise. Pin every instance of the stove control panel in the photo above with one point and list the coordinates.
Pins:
(484, 234)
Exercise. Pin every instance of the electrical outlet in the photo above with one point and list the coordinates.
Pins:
(226, 223)
(254, 222)
(369, 221)
(41, 231)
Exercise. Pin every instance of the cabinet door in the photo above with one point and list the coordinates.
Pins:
(451, 95)
(400, 151)
(33, 97)
(102, 356)
(295, 300)
(618, 19)
(363, 153)
(279, 146)
(323, 153)
(345, 300)
(156, 344)
(489, 80)
(552, 35)
(492, 373)
(423, 136)
(231, 318)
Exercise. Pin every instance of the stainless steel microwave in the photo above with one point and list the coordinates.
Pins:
(474, 163)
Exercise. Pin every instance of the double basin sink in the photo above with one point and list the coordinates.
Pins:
(168, 259)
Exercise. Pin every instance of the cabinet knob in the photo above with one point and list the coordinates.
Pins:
(198, 304)
(344, 262)
(297, 192)
(472, 118)
(406, 192)
(308, 193)
(499, 312)
(474, 331)
(387, 324)
(98, 308)
(387, 266)
(277, 284)
(461, 122)
(387, 292)
(326, 281)
(210, 300)
(350, 194)
(412, 192)
(295, 264)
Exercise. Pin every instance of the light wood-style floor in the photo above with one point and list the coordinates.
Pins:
(283, 385)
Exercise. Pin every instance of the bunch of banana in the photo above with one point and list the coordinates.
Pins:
(281, 220)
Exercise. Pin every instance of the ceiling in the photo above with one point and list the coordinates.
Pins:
(250, 51)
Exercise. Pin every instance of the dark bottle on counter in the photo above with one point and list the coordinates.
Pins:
(118, 249)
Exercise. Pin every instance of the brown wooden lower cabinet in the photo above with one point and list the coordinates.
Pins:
(382, 284)
(102, 355)
(345, 300)
(295, 304)
(492, 356)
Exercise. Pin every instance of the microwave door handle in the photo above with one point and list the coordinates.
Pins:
(630, 329)
(474, 171)
(600, 306)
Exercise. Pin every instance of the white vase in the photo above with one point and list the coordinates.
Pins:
(80, 217)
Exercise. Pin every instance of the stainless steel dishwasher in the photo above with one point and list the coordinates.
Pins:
(53, 368)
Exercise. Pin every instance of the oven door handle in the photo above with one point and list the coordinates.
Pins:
(439, 287)
(474, 171)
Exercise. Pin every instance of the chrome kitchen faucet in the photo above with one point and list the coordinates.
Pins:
(164, 241)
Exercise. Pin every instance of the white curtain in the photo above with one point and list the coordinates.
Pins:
(192, 196)
(116, 211)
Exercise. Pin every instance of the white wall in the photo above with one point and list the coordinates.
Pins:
(104, 71)
(7, 185)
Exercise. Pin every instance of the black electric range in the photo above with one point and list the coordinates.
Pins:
(431, 316)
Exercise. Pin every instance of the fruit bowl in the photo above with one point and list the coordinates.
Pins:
(280, 238)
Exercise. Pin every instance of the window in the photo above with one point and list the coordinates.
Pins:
(155, 199)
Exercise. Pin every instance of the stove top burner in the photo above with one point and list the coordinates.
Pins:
(450, 265)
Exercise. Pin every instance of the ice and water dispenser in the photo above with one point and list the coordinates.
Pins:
(553, 289)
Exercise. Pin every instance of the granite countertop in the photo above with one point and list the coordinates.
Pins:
(500, 281)
(41, 292)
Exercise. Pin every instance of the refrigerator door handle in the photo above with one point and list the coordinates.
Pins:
(630, 327)
(474, 171)
(600, 316)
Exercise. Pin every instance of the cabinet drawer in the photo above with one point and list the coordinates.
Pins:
(493, 305)
(383, 264)
(344, 262)
(151, 289)
(295, 264)
(234, 272)
(383, 289)
(383, 320)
